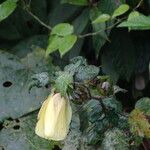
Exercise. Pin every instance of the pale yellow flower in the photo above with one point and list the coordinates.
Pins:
(54, 118)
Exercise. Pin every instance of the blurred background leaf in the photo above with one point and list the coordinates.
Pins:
(15, 77)
(19, 135)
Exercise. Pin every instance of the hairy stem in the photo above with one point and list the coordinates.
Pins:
(27, 8)
(98, 32)
(37, 19)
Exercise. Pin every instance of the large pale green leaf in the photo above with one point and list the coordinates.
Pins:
(15, 77)
(62, 29)
(6, 8)
(20, 135)
(120, 10)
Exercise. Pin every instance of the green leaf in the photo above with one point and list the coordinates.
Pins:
(67, 43)
(76, 2)
(94, 122)
(20, 135)
(86, 72)
(6, 8)
(140, 22)
(53, 44)
(144, 105)
(93, 110)
(101, 18)
(14, 80)
(62, 29)
(74, 65)
(120, 10)
(91, 123)
(63, 44)
(133, 14)
(115, 139)
(63, 82)
(81, 69)
(113, 104)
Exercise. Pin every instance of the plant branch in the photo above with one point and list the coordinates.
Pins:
(139, 4)
(110, 27)
(98, 32)
(27, 8)
(37, 19)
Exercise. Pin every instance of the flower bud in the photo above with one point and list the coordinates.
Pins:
(54, 118)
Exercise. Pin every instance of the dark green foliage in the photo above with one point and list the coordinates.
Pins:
(112, 34)
(81, 69)
(96, 120)
(115, 139)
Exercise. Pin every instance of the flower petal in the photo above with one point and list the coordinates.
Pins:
(39, 130)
